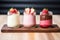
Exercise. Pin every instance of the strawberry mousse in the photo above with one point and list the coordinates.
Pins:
(29, 17)
(45, 18)
(13, 18)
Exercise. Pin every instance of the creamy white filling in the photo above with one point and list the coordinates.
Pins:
(13, 20)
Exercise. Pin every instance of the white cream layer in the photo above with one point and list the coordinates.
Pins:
(13, 20)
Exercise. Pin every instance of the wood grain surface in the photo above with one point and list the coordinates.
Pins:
(29, 36)
(36, 28)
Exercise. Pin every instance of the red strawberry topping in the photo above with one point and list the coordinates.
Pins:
(29, 10)
(13, 11)
(44, 11)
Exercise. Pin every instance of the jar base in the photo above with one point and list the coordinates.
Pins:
(47, 26)
(28, 26)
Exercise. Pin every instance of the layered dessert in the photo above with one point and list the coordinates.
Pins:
(29, 17)
(13, 18)
(45, 18)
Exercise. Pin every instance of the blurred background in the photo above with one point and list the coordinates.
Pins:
(52, 5)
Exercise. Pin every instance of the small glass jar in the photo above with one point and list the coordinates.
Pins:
(29, 20)
(46, 19)
(13, 19)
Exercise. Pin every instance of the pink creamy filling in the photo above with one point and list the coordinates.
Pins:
(29, 20)
(45, 22)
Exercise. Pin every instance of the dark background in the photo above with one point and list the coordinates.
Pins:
(52, 5)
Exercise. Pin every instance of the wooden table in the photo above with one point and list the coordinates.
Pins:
(30, 35)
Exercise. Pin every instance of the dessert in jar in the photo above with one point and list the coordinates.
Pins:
(45, 18)
(13, 18)
(29, 19)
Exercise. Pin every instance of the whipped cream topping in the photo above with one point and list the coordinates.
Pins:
(29, 11)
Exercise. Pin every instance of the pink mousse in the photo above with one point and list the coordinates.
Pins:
(45, 23)
(29, 20)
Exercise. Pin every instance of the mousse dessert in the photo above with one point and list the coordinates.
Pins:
(45, 18)
(13, 18)
(29, 19)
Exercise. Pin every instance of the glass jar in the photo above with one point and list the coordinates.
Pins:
(46, 19)
(29, 20)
